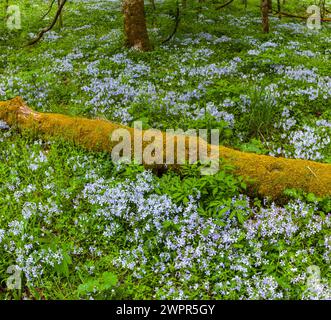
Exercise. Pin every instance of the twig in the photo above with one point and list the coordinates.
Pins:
(48, 11)
(312, 172)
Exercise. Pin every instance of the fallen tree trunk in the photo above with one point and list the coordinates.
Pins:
(268, 176)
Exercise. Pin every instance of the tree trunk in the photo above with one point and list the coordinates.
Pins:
(245, 3)
(265, 16)
(135, 25)
(322, 6)
(270, 5)
(279, 9)
(60, 21)
(6, 10)
(266, 175)
(153, 4)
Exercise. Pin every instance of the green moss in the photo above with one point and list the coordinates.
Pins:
(271, 175)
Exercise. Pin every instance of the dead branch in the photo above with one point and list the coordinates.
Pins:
(50, 27)
(48, 11)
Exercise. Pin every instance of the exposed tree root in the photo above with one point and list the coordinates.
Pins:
(270, 175)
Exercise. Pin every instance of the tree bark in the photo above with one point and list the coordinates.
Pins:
(135, 28)
(265, 16)
(153, 4)
(266, 175)
(50, 27)
(279, 9)
(6, 9)
(60, 20)
(270, 5)
(322, 6)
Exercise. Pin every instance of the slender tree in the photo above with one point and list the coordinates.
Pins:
(279, 9)
(6, 9)
(270, 5)
(50, 27)
(265, 16)
(322, 6)
(60, 20)
(245, 3)
(135, 28)
(153, 4)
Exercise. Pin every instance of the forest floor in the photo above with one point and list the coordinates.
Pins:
(78, 226)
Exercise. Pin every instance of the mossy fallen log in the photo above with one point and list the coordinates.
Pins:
(269, 176)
